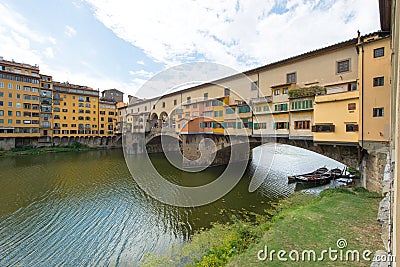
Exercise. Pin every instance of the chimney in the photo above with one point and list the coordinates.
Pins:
(130, 98)
(358, 37)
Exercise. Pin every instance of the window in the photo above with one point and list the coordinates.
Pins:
(351, 127)
(302, 104)
(379, 81)
(9, 113)
(1, 85)
(1, 112)
(18, 87)
(261, 125)
(291, 77)
(379, 52)
(281, 125)
(216, 102)
(163, 104)
(244, 109)
(285, 91)
(1, 94)
(10, 86)
(1, 103)
(351, 106)
(230, 111)
(65, 110)
(64, 125)
(254, 85)
(323, 128)
(205, 96)
(227, 92)
(352, 87)
(343, 66)
(188, 99)
(175, 102)
(277, 91)
(10, 104)
(10, 121)
(281, 107)
(18, 105)
(378, 112)
(302, 125)
(19, 96)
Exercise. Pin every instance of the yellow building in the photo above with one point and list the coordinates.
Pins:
(75, 110)
(374, 73)
(336, 118)
(19, 102)
(108, 117)
(46, 111)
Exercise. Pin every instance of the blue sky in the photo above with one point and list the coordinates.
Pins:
(121, 43)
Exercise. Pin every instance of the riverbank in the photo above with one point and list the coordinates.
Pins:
(300, 222)
(54, 149)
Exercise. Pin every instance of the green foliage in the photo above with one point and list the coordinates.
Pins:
(24, 148)
(75, 145)
(307, 91)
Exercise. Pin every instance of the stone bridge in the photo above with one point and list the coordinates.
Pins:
(201, 149)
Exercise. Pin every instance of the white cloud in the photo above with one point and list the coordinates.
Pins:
(70, 31)
(48, 52)
(235, 33)
(140, 62)
(18, 42)
(142, 73)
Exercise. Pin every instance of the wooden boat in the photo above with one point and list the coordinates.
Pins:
(319, 171)
(315, 180)
(338, 173)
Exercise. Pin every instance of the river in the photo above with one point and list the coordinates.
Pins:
(85, 209)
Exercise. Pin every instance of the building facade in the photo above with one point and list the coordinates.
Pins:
(37, 111)
(294, 98)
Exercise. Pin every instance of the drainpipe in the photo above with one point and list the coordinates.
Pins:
(362, 96)
(258, 81)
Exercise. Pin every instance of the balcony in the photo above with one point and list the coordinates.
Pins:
(307, 91)
(45, 125)
(266, 99)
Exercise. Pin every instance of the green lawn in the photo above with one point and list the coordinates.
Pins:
(317, 226)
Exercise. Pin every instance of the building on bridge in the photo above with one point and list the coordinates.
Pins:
(334, 96)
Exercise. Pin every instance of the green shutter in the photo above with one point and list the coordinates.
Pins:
(275, 125)
(255, 126)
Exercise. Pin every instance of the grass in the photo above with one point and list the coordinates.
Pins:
(42, 150)
(300, 222)
(336, 214)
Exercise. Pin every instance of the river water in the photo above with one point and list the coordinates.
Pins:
(85, 209)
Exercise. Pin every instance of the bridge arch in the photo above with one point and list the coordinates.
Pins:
(153, 121)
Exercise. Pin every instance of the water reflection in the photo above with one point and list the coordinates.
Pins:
(85, 209)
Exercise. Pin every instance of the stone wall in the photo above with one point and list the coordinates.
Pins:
(9, 143)
(376, 167)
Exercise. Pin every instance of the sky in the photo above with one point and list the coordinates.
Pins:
(123, 43)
